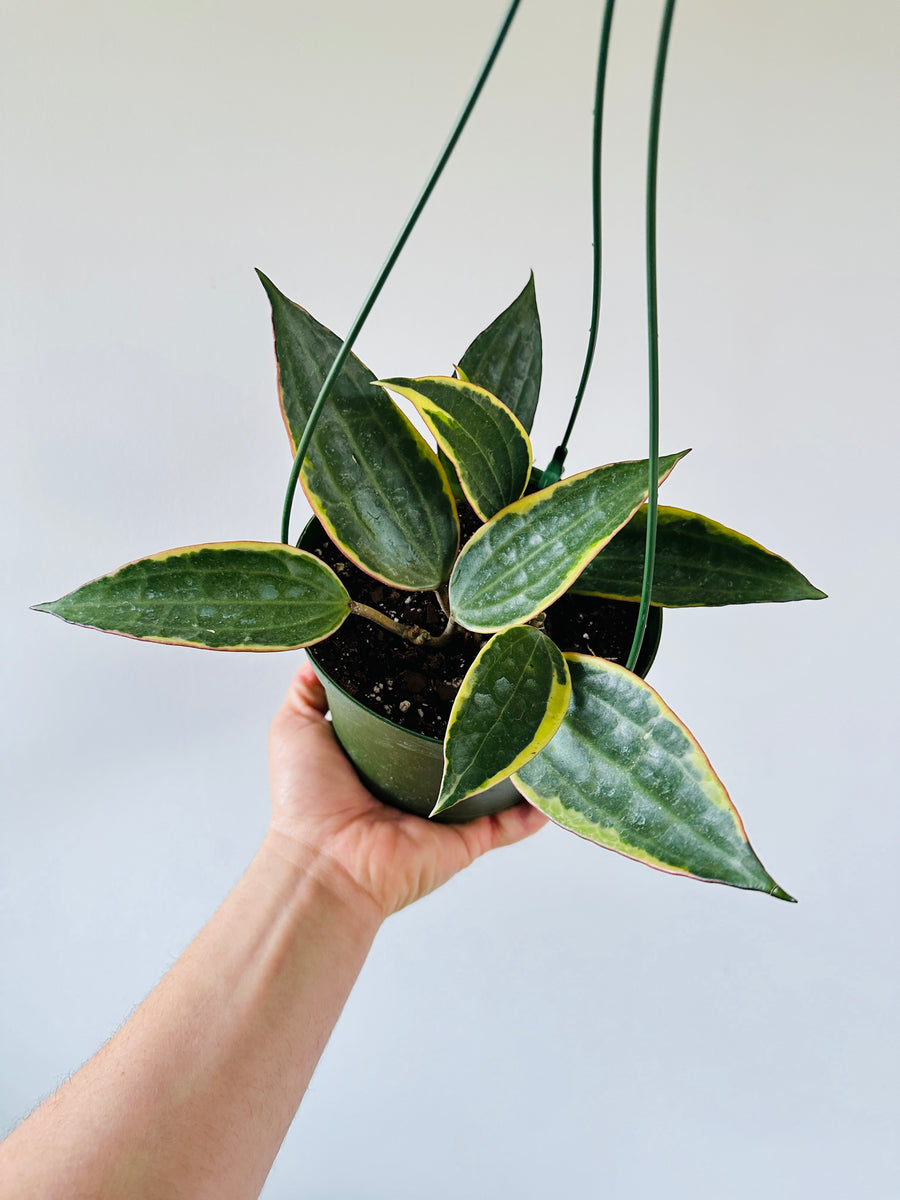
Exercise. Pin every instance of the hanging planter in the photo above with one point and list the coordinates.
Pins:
(482, 627)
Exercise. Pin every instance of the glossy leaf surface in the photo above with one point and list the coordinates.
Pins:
(223, 596)
(486, 444)
(511, 703)
(372, 480)
(698, 562)
(624, 772)
(505, 359)
(534, 550)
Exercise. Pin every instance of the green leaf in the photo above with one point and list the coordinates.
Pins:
(505, 359)
(534, 550)
(224, 596)
(623, 772)
(511, 703)
(698, 562)
(372, 480)
(485, 442)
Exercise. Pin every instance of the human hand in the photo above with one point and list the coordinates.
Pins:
(320, 806)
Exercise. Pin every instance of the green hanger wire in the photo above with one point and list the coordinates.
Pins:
(374, 292)
(553, 471)
(652, 334)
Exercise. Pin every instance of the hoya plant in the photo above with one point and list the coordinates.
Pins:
(504, 583)
(582, 738)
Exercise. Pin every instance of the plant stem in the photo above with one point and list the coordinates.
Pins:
(414, 634)
(409, 633)
(652, 333)
(385, 271)
(443, 598)
(448, 633)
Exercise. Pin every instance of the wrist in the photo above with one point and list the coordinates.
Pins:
(301, 871)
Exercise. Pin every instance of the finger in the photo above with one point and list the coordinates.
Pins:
(502, 829)
(516, 823)
(306, 697)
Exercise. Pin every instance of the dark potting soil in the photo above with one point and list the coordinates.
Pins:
(415, 686)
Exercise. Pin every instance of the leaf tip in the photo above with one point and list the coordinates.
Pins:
(780, 894)
(445, 800)
(270, 289)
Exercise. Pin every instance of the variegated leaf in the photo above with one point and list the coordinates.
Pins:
(624, 772)
(534, 550)
(486, 444)
(372, 480)
(698, 562)
(505, 359)
(222, 596)
(511, 702)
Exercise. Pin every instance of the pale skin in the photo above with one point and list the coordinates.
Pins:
(194, 1094)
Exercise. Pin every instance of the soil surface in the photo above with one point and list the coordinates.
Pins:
(415, 686)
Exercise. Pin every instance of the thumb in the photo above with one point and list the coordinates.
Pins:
(302, 712)
(305, 699)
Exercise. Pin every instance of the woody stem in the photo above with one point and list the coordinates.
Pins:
(410, 633)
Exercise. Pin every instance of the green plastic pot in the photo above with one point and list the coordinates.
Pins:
(404, 768)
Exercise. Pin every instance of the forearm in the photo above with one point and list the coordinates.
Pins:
(193, 1096)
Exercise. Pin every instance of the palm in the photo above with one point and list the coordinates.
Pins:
(319, 801)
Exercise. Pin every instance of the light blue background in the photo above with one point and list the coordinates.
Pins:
(557, 1021)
